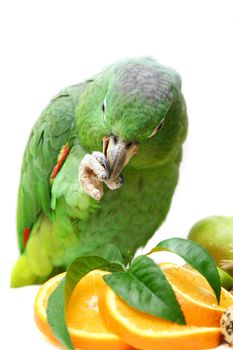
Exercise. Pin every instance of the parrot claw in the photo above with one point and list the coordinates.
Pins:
(114, 184)
(100, 157)
(93, 170)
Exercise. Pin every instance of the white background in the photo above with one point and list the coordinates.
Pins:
(47, 45)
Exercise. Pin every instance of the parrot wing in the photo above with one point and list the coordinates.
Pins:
(54, 129)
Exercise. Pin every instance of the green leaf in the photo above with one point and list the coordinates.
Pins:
(60, 297)
(79, 268)
(196, 256)
(56, 316)
(112, 253)
(145, 287)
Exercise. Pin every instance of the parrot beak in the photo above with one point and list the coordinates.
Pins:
(118, 153)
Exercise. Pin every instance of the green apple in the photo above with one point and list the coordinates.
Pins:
(226, 279)
(215, 233)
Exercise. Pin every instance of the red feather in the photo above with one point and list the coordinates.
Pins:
(26, 234)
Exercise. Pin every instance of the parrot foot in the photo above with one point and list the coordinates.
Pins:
(93, 170)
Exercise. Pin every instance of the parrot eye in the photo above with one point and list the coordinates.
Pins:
(158, 127)
(104, 110)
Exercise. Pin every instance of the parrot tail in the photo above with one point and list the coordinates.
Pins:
(22, 274)
(35, 265)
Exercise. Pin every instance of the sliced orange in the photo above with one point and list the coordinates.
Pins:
(86, 327)
(197, 299)
(147, 332)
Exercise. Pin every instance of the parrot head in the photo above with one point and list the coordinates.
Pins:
(132, 107)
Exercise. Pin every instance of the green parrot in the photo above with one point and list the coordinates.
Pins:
(100, 166)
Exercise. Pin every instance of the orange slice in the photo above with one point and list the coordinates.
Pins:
(86, 327)
(147, 332)
(197, 299)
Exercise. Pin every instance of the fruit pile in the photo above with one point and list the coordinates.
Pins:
(98, 319)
